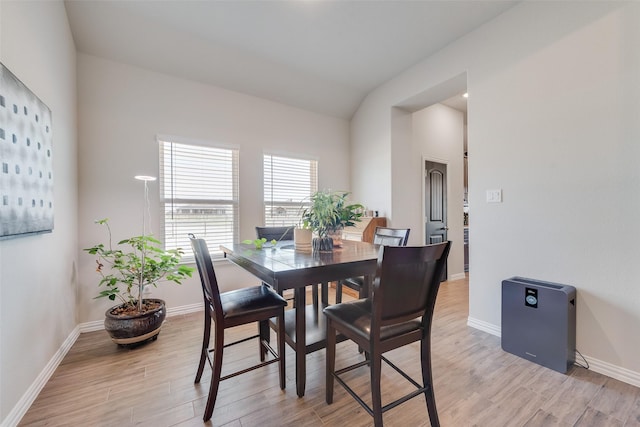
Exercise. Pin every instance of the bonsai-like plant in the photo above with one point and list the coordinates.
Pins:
(329, 212)
(126, 272)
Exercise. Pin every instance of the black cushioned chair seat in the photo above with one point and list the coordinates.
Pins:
(252, 300)
(355, 316)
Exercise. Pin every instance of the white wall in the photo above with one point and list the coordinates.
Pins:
(123, 108)
(553, 121)
(38, 273)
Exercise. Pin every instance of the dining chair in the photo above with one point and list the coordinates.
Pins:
(382, 236)
(286, 233)
(234, 308)
(275, 233)
(399, 312)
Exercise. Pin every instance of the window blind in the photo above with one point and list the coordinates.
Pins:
(288, 183)
(199, 194)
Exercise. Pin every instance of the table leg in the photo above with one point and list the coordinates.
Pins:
(367, 285)
(325, 293)
(314, 294)
(301, 353)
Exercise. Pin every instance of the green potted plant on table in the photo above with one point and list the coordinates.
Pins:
(327, 215)
(125, 271)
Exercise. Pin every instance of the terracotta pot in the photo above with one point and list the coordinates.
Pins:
(136, 328)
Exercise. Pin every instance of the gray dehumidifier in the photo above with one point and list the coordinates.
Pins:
(539, 322)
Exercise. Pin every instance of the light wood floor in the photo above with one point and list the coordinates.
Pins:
(476, 384)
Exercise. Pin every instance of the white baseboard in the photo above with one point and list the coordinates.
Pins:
(457, 276)
(32, 392)
(185, 309)
(96, 325)
(616, 372)
(487, 327)
(613, 371)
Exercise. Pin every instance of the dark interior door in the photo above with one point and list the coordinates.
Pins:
(436, 204)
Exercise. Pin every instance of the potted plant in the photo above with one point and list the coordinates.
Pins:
(125, 271)
(327, 215)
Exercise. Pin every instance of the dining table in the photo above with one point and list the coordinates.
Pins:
(283, 267)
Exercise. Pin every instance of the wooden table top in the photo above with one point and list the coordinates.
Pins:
(285, 268)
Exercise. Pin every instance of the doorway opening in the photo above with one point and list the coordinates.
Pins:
(428, 123)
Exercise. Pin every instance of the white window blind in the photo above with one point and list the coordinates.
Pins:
(199, 193)
(288, 183)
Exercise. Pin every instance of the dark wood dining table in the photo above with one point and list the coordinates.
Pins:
(283, 267)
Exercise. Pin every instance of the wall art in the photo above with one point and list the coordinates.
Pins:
(26, 165)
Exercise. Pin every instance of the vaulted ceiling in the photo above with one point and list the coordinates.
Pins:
(322, 56)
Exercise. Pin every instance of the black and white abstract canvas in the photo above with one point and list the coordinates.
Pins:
(26, 174)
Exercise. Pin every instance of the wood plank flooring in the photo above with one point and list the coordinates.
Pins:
(476, 384)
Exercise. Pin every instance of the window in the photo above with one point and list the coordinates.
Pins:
(288, 183)
(199, 194)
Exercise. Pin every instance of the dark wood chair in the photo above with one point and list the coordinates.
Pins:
(399, 312)
(286, 233)
(382, 236)
(234, 308)
(275, 233)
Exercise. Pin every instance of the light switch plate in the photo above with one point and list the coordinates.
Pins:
(494, 196)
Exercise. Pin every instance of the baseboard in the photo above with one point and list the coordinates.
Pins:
(96, 325)
(185, 309)
(487, 327)
(612, 371)
(458, 276)
(32, 392)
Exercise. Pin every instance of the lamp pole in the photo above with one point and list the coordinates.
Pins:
(145, 200)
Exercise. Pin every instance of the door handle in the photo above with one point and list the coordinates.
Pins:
(445, 228)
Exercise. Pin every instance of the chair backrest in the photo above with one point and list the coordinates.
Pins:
(210, 289)
(407, 282)
(275, 233)
(391, 236)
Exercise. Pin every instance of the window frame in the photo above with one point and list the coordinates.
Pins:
(293, 208)
(171, 203)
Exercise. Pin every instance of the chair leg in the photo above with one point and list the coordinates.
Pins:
(330, 361)
(205, 346)
(376, 393)
(338, 291)
(215, 374)
(265, 336)
(314, 295)
(281, 351)
(324, 295)
(360, 349)
(427, 380)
